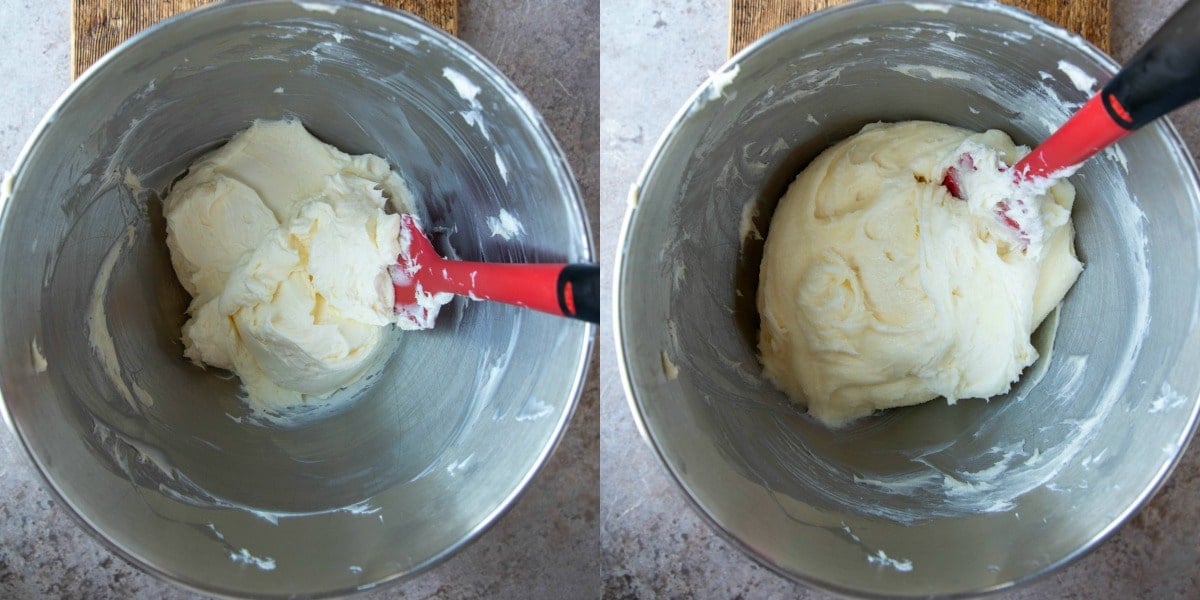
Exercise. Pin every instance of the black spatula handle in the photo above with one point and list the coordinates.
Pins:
(1164, 75)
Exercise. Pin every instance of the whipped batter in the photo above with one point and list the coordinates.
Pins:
(283, 242)
(879, 289)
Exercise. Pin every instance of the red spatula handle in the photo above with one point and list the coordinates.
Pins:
(1083, 135)
(570, 290)
(1164, 75)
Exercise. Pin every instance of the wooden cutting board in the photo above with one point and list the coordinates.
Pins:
(97, 26)
(751, 19)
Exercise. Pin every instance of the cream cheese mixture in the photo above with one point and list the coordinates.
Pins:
(283, 242)
(878, 288)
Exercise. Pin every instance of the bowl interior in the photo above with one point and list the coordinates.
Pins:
(161, 457)
(933, 499)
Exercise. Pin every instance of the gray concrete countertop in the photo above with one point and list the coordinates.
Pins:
(546, 546)
(654, 55)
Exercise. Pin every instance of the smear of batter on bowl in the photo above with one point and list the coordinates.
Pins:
(132, 182)
(882, 559)
(318, 7)
(283, 242)
(100, 337)
(746, 227)
(6, 186)
(467, 90)
(719, 81)
(879, 288)
(930, 72)
(669, 369)
(1082, 81)
(243, 556)
(37, 358)
(500, 164)
(929, 7)
(505, 225)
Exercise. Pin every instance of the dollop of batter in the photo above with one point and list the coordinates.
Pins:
(283, 243)
(878, 288)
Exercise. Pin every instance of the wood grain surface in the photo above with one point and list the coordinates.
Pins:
(751, 19)
(97, 26)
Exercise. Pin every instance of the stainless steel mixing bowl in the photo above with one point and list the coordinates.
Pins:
(156, 456)
(932, 499)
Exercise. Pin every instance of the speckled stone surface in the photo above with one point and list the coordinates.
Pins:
(653, 57)
(547, 546)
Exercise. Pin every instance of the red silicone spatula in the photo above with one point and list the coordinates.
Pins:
(571, 290)
(1164, 75)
